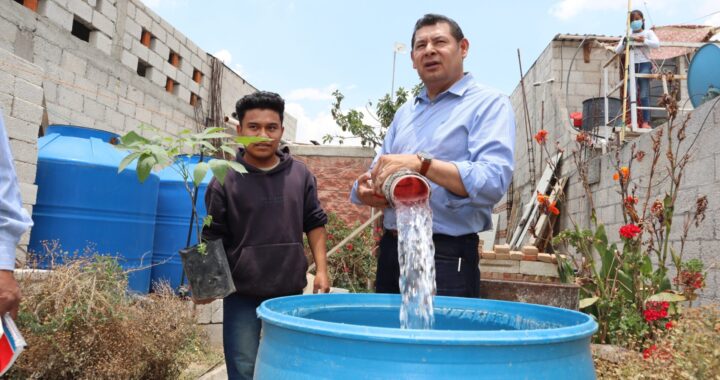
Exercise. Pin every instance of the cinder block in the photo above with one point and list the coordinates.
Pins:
(545, 257)
(115, 119)
(162, 50)
(126, 107)
(158, 31)
(502, 248)
(140, 50)
(28, 91)
(195, 60)
(203, 313)
(156, 75)
(27, 111)
(142, 18)
(173, 43)
(530, 250)
(73, 63)
(538, 268)
(92, 3)
(25, 172)
(21, 130)
(170, 70)
(133, 28)
(217, 311)
(53, 11)
(28, 192)
(108, 9)
(156, 62)
(100, 41)
(516, 255)
(129, 59)
(23, 151)
(500, 266)
(81, 9)
(502, 256)
(184, 94)
(93, 109)
(70, 98)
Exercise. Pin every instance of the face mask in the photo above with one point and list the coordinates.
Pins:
(636, 25)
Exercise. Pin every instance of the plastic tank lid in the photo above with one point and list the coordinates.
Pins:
(82, 132)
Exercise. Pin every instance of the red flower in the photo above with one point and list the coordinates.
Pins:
(349, 246)
(629, 231)
(552, 209)
(669, 325)
(631, 200)
(639, 155)
(330, 237)
(648, 352)
(583, 138)
(541, 136)
(655, 311)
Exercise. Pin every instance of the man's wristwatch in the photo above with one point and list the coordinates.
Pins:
(425, 161)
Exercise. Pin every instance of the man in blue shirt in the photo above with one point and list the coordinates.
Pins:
(14, 221)
(460, 135)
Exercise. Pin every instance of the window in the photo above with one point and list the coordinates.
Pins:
(29, 4)
(194, 99)
(142, 67)
(80, 30)
(197, 75)
(172, 86)
(174, 58)
(146, 38)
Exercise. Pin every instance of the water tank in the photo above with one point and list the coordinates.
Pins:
(84, 204)
(172, 221)
(357, 336)
(593, 114)
(703, 73)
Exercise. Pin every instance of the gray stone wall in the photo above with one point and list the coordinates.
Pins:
(21, 94)
(561, 97)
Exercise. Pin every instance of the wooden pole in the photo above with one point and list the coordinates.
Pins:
(627, 71)
(350, 237)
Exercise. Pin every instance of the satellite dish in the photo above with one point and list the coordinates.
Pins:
(704, 74)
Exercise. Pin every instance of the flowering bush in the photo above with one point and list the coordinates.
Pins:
(353, 266)
(626, 284)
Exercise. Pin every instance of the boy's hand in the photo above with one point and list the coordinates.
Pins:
(9, 293)
(321, 283)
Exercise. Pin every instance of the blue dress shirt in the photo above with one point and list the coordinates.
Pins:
(14, 220)
(471, 126)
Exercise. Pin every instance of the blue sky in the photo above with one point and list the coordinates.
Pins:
(305, 49)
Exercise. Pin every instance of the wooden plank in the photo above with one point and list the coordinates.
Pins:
(543, 220)
(530, 212)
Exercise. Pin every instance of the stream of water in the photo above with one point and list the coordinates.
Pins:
(416, 254)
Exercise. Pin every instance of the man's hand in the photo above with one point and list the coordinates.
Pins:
(9, 293)
(366, 193)
(321, 283)
(390, 163)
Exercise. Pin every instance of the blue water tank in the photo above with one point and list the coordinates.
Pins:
(172, 221)
(84, 204)
(357, 336)
(703, 73)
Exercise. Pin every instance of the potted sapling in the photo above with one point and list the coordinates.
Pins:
(204, 263)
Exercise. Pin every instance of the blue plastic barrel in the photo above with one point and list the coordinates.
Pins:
(703, 73)
(84, 204)
(172, 222)
(357, 336)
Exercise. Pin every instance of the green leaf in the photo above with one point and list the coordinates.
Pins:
(646, 267)
(199, 173)
(666, 297)
(132, 138)
(219, 169)
(587, 302)
(127, 160)
(236, 166)
(145, 165)
(228, 150)
(207, 220)
(247, 140)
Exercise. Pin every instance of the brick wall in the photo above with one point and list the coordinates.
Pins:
(336, 168)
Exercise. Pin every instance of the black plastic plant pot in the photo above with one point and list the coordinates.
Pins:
(208, 274)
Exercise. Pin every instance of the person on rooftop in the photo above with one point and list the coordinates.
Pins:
(641, 55)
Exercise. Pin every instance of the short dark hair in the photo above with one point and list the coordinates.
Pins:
(260, 100)
(432, 19)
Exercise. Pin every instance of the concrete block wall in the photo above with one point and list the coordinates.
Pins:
(701, 176)
(95, 83)
(336, 168)
(21, 94)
